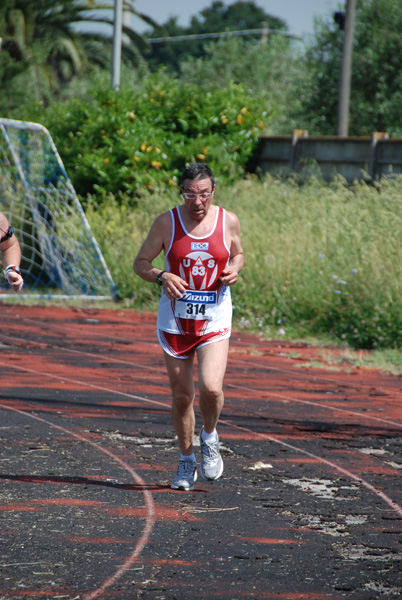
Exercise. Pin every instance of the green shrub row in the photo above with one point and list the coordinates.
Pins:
(145, 134)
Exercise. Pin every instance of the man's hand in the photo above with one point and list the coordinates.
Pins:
(174, 286)
(229, 276)
(15, 280)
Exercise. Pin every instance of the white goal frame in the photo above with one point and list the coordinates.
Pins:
(61, 258)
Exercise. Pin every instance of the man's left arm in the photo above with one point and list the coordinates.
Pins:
(230, 274)
(11, 255)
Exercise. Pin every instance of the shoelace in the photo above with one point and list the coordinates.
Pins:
(210, 451)
(186, 467)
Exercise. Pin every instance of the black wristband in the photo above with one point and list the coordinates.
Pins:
(159, 277)
(10, 232)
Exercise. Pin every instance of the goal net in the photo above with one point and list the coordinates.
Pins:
(61, 257)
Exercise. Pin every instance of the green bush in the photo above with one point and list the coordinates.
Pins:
(145, 134)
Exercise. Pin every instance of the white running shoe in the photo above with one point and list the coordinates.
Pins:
(186, 476)
(211, 466)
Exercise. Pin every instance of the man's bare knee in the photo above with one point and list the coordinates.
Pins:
(182, 400)
(210, 394)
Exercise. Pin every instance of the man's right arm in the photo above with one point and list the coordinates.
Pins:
(153, 245)
(150, 249)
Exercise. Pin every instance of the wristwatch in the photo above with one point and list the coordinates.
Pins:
(11, 268)
(159, 277)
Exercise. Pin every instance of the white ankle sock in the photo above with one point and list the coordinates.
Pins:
(207, 437)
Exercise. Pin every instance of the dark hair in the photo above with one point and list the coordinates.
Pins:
(197, 171)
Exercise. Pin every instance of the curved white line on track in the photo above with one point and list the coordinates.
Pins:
(384, 497)
(85, 384)
(338, 468)
(91, 354)
(149, 502)
(280, 396)
(285, 398)
(316, 377)
(231, 358)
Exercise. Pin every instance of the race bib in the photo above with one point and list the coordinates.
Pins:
(196, 305)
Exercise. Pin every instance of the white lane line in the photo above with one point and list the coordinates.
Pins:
(285, 398)
(282, 397)
(149, 502)
(379, 493)
(338, 468)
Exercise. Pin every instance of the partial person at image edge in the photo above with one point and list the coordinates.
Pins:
(11, 254)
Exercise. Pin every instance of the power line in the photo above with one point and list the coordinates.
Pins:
(210, 36)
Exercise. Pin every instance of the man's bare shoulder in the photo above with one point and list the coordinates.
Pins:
(164, 218)
(162, 223)
(232, 220)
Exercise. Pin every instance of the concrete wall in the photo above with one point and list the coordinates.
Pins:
(352, 157)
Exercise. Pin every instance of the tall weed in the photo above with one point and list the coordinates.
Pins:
(319, 259)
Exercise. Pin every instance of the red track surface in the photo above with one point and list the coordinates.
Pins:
(308, 507)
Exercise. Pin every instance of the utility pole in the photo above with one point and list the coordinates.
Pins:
(117, 33)
(264, 33)
(346, 70)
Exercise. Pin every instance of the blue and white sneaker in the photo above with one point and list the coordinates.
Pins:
(186, 476)
(211, 466)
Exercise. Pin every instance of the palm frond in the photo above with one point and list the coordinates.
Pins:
(50, 37)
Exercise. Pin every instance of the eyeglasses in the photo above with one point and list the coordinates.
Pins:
(192, 196)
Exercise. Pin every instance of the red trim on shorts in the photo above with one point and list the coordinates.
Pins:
(182, 346)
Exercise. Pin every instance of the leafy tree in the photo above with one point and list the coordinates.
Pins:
(239, 15)
(9, 66)
(275, 65)
(376, 96)
(218, 17)
(42, 45)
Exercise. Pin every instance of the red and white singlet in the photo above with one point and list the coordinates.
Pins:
(206, 305)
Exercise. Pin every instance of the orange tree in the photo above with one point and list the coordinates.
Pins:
(145, 134)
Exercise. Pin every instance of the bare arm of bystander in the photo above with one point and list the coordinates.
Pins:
(11, 254)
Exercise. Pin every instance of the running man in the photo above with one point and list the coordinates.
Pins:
(203, 258)
(11, 255)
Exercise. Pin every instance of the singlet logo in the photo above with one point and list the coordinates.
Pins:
(198, 297)
(199, 245)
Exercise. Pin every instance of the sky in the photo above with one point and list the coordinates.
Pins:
(298, 14)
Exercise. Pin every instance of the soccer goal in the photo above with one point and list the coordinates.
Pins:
(61, 257)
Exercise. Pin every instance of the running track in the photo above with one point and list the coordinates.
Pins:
(309, 506)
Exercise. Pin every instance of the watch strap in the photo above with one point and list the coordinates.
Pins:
(159, 277)
(12, 269)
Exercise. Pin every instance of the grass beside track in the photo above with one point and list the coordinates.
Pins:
(321, 260)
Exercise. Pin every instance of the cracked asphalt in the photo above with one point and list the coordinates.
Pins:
(308, 507)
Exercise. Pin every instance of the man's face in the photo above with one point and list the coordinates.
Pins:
(197, 195)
